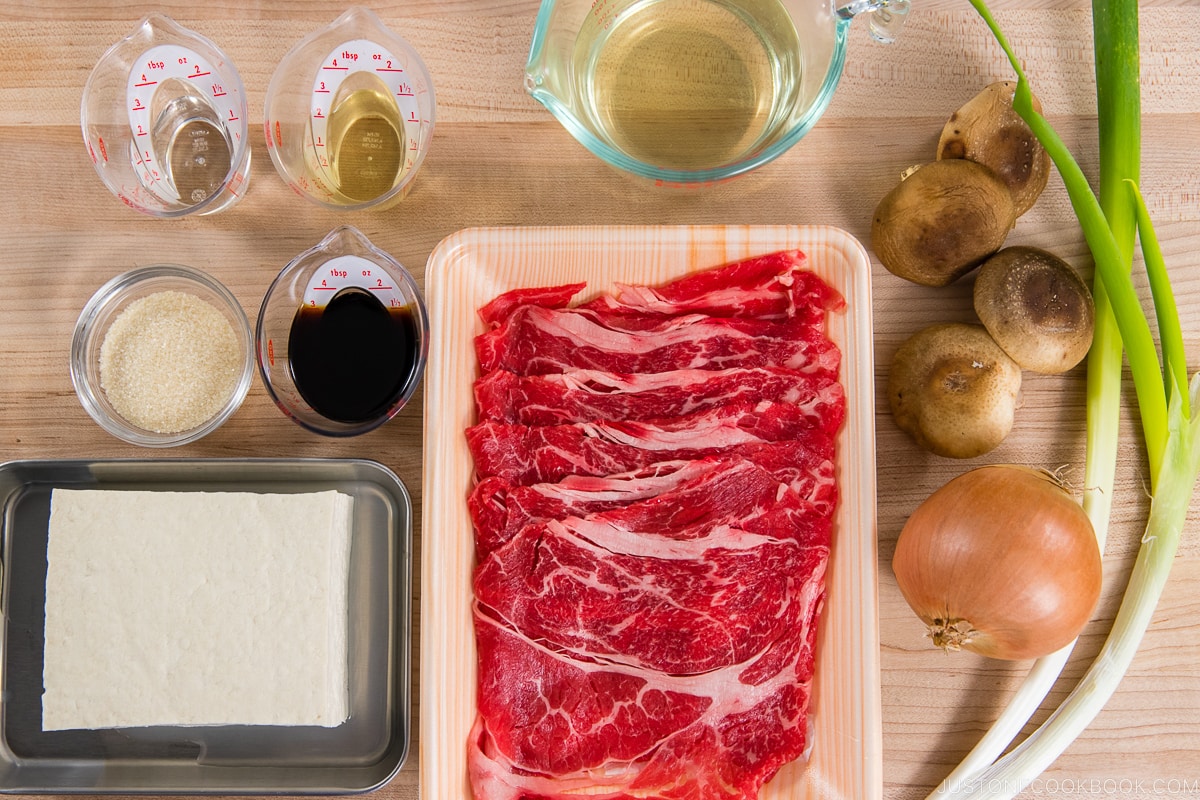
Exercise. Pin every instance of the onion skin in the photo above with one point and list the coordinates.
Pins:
(1001, 561)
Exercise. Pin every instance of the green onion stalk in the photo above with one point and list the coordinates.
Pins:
(1172, 437)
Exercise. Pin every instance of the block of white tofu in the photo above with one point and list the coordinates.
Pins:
(196, 608)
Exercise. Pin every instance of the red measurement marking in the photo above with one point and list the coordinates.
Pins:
(379, 288)
(320, 91)
(199, 74)
(147, 83)
(388, 69)
(271, 351)
(325, 288)
(219, 94)
(339, 68)
(318, 115)
(405, 94)
(232, 118)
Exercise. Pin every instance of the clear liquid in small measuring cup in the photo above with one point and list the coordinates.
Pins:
(688, 84)
(191, 141)
(366, 141)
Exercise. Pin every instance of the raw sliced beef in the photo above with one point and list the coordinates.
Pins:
(535, 340)
(664, 494)
(499, 309)
(525, 454)
(653, 514)
(499, 508)
(584, 395)
(550, 725)
(582, 715)
(690, 597)
(773, 286)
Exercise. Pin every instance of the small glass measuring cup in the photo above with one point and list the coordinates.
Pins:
(164, 120)
(350, 113)
(342, 336)
(692, 92)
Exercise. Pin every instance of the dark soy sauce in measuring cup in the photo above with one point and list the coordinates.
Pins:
(352, 358)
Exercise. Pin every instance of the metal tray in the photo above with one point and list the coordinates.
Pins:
(360, 755)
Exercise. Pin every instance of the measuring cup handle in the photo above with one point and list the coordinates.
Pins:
(885, 18)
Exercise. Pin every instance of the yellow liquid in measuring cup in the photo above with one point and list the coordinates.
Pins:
(687, 84)
(366, 141)
(191, 141)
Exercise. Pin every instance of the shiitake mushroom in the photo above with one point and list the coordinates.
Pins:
(953, 390)
(942, 221)
(1036, 307)
(987, 131)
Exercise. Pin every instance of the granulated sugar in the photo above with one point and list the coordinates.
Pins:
(169, 362)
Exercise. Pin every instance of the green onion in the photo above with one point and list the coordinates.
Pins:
(1118, 101)
(1170, 333)
(1172, 438)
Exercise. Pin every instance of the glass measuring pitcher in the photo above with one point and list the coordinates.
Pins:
(689, 92)
(164, 120)
(350, 113)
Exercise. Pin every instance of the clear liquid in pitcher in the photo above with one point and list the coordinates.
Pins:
(688, 84)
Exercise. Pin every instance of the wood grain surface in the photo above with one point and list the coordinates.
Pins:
(497, 158)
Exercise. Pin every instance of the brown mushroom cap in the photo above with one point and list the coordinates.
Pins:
(1036, 307)
(988, 131)
(942, 221)
(953, 390)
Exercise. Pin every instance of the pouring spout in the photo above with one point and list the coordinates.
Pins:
(885, 18)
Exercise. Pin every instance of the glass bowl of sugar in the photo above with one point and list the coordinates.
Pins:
(162, 355)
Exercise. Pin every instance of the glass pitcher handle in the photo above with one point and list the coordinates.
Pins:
(885, 17)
